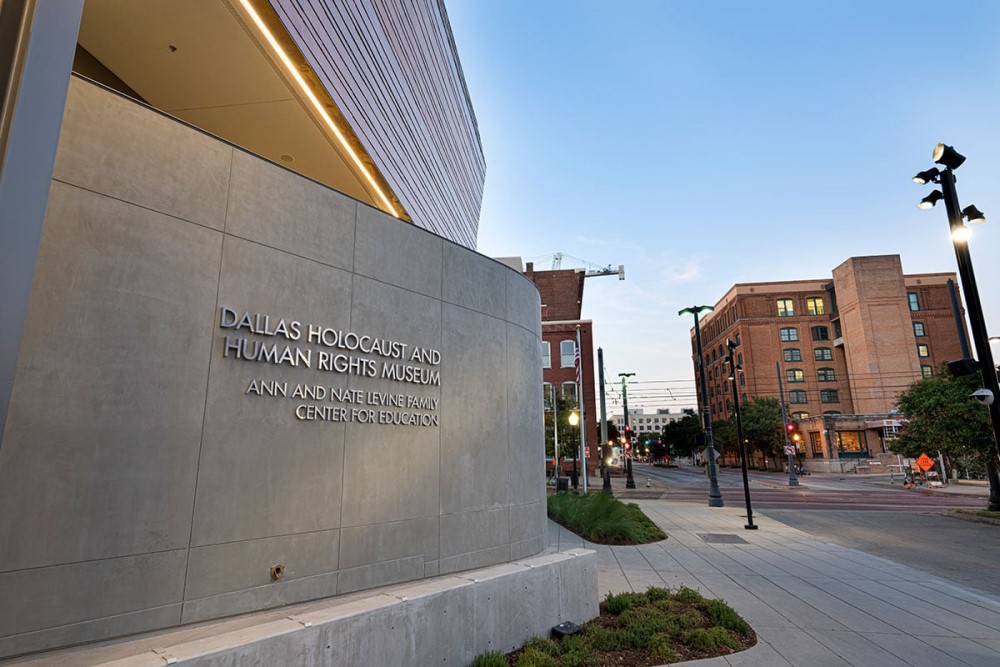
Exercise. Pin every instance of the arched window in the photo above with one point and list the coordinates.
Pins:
(823, 354)
(789, 334)
(793, 354)
(821, 333)
(546, 354)
(567, 352)
(786, 308)
(795, 375)
(800, 415)
(826, 375)
(569, 391)
(815, 306)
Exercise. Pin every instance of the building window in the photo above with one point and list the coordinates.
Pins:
(827, 375)
(815, 306)
(737, 339)
(918, 329)
(821, 333)
(795, 375)
(837, 333)
(914, 301)
(546, 354)
(923, 350)
(823, 354)
(739, 358)
(743, 380)
(567, 353)
(797, 397)
(569, 391)
(711, 391)
(744, 399)
(547, 395)
(789, 335)
(829, 396)
(817, 444)
(832, 412)
(851, 442)
(926, 371)
(801, 414)
(793, 354)
(785, 308)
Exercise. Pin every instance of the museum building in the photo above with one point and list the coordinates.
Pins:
(240, 290)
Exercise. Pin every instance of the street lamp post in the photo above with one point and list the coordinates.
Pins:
(714, 494)
(733, 368)
(950, 159)
(629, 480)
(574, 420)
(605, 449)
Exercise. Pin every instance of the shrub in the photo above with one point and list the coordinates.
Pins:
(603, 519)
(688, 595)
(577, 652)
(724, 615)
(662, 648)
(532, 657)
(617, 603)
(605, 639)
(710, 639)
(654, 593)
(646, 619)
(546, 646)
(490, 659)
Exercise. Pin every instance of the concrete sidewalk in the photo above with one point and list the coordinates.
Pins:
(810, 602)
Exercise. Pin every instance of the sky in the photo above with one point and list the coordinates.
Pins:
(706, 143)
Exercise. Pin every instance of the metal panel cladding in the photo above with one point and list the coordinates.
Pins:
(393, 69)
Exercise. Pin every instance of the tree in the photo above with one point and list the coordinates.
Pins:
(569, 436)
(943, 418)
(763, 426)
(682, 434)
(724, 436)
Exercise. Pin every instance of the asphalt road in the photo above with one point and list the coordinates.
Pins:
(908, 527)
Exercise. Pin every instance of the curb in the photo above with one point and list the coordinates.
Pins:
(972, 517)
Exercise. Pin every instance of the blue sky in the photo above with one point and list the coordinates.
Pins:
(707, 143)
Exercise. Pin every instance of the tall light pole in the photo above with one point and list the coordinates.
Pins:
(733, 368)
(951, 160)
(629, 480)
(605, 473)
(714, 494)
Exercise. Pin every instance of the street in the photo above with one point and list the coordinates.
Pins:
(907, 526)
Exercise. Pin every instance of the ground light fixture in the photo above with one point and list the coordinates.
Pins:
(714, 494)
(951, 159)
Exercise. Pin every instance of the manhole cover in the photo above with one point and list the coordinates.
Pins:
(721, 538)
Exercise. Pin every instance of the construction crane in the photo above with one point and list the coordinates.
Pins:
(592, 270)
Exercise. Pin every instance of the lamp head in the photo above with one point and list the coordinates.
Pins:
(930, 200)
(574, 418)
(925, 177)
(973, 215)
(696, 310)
(948, 156)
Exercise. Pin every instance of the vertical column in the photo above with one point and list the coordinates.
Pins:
(34, 82)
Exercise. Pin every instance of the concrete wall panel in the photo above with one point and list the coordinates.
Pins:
(473, 283)
(380, 241)
(282, 210)
(474, 451)
(102, 439)
(142, 157)
(145, 482)
(289, 473)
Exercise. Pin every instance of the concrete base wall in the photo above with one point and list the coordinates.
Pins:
(444, 620)
(149, 477)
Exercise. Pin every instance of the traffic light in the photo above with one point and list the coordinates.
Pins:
(790, 427)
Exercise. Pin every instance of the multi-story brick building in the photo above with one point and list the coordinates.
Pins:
(843, 346)
(647, 422)
(562, 301)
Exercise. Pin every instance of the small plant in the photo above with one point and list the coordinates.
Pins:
(662, 648)
(543, 645)
(710, 639)
(724, 616)
(617, 603)
(688, 595)
(532, 657)
(490, 659)
(603, 519)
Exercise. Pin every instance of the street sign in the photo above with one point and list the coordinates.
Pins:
(925, 462)
(790, 450)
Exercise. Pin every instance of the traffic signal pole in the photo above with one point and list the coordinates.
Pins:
(792, 479)
(629, 480)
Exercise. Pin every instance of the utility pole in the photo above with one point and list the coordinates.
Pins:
(792, 479)
(629, 480)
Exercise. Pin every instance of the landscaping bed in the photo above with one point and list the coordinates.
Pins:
(603, 519)
(657, 627)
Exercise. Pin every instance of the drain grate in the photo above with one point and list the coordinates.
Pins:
(722, 538)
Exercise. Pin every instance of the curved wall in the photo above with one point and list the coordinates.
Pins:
(191, 406)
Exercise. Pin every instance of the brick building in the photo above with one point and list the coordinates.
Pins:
(845, 348)
(562, 301)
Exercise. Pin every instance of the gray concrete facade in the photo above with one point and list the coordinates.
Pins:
(149, 477)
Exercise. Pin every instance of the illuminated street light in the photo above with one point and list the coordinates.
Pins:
(714, 494)
(951, 159)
